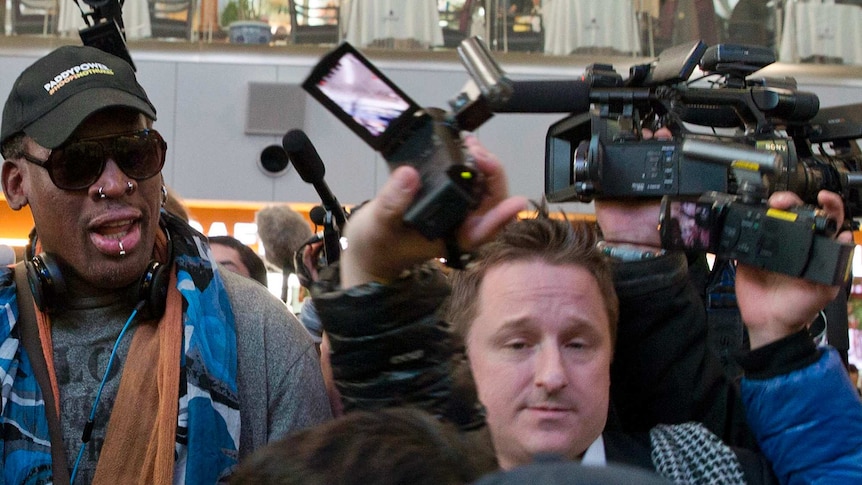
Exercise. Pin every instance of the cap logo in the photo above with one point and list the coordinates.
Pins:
(76, 72)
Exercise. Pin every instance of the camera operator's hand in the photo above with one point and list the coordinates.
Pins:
(308, 262)
(774, 305)
(380, 246)
(632, 221)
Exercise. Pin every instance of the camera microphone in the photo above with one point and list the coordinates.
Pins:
(503, 95)
(554, 96)
(310, 168)
(317, 215)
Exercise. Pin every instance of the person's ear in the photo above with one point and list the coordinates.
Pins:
(13, 185)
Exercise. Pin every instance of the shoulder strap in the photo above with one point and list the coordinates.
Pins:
(29, 333)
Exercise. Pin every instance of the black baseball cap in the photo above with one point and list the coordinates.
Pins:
(53, 96)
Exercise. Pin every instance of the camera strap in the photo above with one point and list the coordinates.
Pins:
(29, 333)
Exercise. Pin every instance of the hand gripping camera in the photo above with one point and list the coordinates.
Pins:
(602, 153)
(798, 242)
(373, 107)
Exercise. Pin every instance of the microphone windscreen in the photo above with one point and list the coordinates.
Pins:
(317, 215)
(282, 231)
(7, 255)
(303, 155)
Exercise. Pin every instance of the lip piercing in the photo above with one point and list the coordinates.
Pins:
(130, 187)
(101, 193)
(122, 251)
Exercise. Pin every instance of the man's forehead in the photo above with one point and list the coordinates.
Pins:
(529, 273)
(537, 288)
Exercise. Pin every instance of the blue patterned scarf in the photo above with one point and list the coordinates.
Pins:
(208, 424)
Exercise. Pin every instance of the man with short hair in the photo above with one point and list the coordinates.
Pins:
(537, 314)
(120, 326)
(232, 254)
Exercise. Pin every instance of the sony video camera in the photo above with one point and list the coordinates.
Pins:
(765, 123)
(714, 186)
(797, 242)
(373, 107)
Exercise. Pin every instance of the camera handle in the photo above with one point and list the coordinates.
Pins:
(331, 238)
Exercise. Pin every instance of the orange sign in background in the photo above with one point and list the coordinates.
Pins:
(15, 226)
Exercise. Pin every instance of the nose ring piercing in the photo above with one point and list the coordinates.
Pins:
(130, 187)
(101, 193)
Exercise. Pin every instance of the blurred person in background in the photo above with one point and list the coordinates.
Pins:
(231, 253)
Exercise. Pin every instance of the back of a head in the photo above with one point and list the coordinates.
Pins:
(571, 473)
(386, 447)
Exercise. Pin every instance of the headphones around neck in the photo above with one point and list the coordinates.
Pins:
(45, 276)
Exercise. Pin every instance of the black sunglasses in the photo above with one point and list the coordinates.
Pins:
(78, 164)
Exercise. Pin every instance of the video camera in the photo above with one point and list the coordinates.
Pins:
(603, 153)
(373, 107)
(767, 130)
(797, 242)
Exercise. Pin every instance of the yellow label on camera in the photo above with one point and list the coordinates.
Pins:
(783, 215)
(745, 165)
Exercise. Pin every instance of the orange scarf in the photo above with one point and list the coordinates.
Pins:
(141, 434)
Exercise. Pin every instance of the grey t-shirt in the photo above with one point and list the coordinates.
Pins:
(279, 379)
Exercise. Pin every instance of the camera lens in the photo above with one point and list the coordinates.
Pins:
(586, 167)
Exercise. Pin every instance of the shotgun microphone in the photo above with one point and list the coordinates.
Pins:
(310, 168)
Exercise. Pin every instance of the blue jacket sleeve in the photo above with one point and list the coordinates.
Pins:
(808, 422)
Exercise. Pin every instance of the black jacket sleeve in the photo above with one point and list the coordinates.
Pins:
(663, 370)
(389, 346)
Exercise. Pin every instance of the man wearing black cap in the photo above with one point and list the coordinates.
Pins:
(122, 332)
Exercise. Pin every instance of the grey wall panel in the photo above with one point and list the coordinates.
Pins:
(201, 93)
(214, 158)
(274, 108)
(159, 79)
(525, 166)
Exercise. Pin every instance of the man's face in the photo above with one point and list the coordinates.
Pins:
(85, 230)
(540, 352)
(229, 258)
